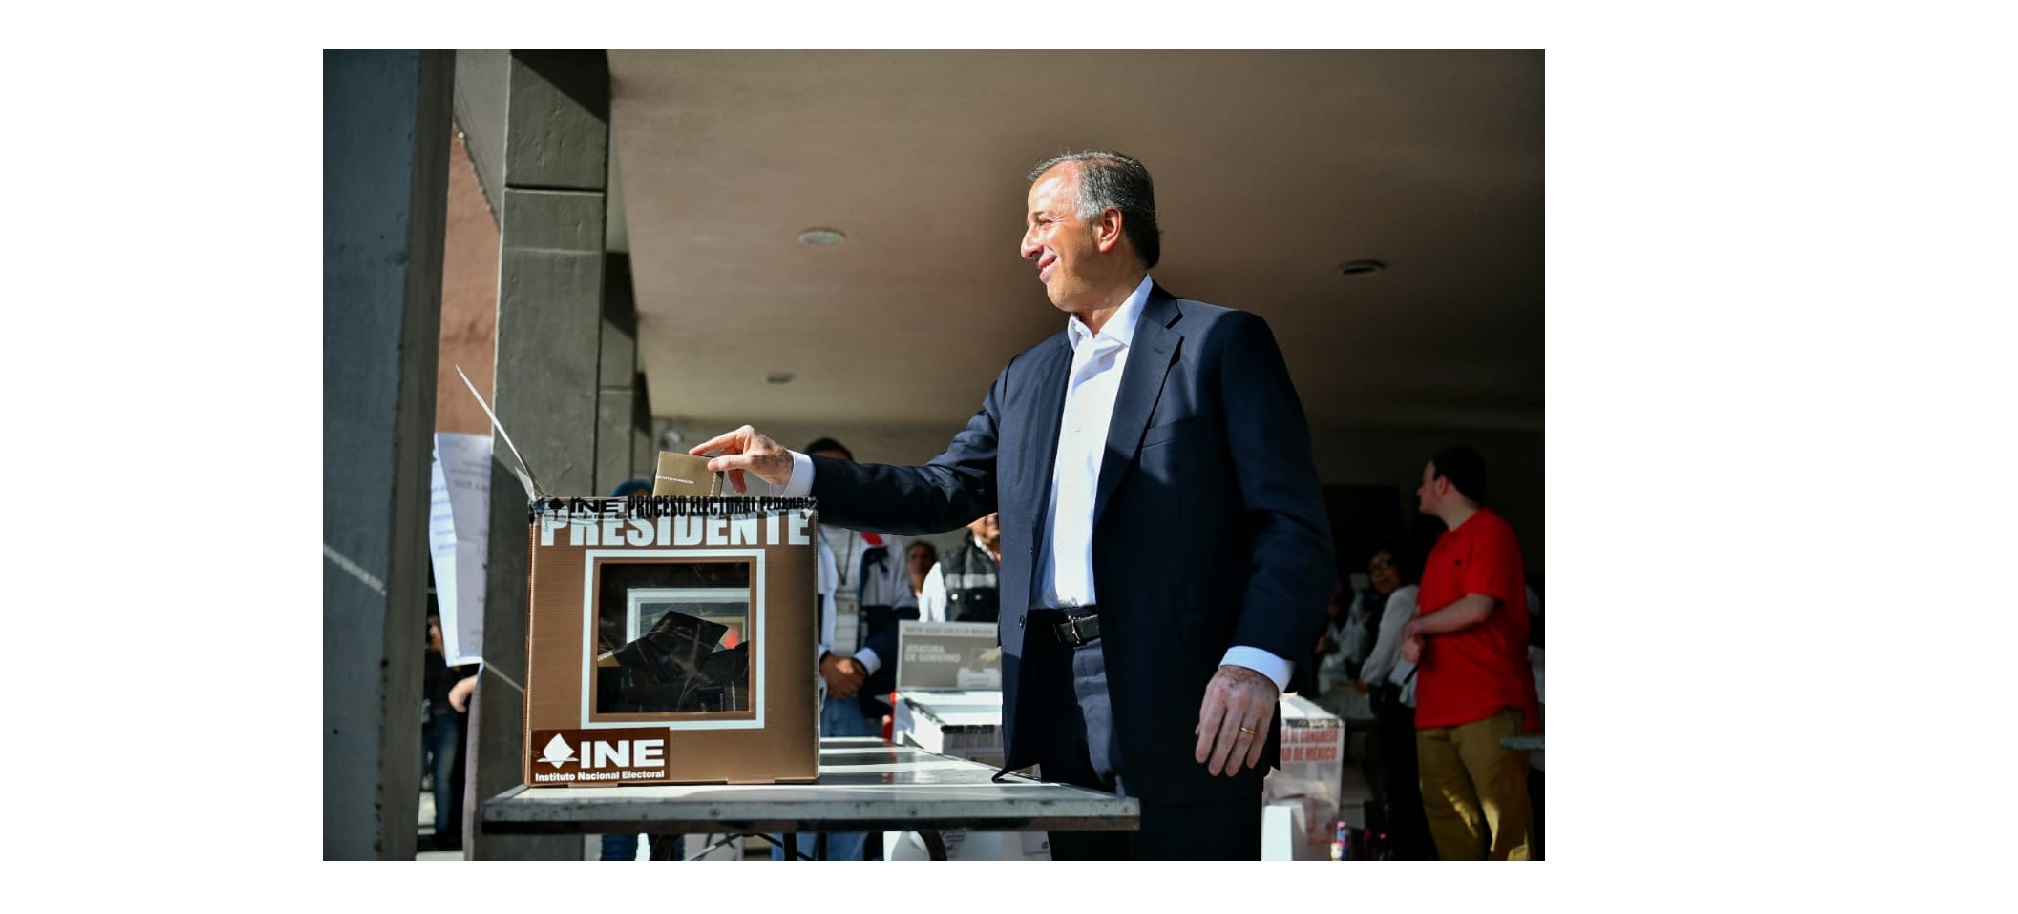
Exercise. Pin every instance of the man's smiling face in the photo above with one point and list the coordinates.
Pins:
(1061, 244)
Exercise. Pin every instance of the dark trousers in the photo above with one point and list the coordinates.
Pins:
(1080, 749)
(1400, 788)
(443, 738)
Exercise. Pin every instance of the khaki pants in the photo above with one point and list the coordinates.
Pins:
(1475, 792)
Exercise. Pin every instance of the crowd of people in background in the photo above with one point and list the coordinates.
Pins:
(1455, 620)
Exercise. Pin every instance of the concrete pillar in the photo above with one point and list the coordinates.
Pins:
(644, 454)
(621, 386)
(385, 132)
(550, 329)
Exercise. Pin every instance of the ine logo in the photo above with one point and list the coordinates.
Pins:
(603, 755)
(558, 752)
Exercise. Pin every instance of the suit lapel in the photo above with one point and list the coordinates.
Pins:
(1044, 411)
(1150, 356)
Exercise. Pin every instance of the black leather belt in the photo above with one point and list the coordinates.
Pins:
(1073, 630)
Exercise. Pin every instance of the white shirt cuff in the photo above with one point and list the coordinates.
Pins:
(869, 661)
(801, 482)
(1262, 662)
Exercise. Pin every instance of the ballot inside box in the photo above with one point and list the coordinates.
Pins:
(679, 664)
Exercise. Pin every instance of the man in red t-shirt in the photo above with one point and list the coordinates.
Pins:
(1473, 682)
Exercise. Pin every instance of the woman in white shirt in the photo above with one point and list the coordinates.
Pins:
(1384, 664)
(918, 561)
(1389, 681)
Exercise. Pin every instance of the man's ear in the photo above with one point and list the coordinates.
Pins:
(1107, 230)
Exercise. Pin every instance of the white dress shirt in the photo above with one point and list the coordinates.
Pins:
(932, 596)
(1385, 662)
(1065, 558)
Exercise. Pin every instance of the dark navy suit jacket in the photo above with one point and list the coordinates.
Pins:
(1209, 527)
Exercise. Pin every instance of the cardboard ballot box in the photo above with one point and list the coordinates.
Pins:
(671, 639)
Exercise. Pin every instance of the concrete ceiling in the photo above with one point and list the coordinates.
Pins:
(1272, 168)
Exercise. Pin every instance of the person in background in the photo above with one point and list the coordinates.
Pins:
(1165, 547)
(1328, 658)
(1388, 681)
(844, 680)
(458, 700)
(873, 579)
(966, 585)
(1362, 620)
(1474, 685)
(442, 737)
(874, 591)
(919, 560)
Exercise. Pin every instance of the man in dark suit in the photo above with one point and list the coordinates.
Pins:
(1165, 553)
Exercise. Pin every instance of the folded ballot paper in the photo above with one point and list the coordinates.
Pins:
(684, 474)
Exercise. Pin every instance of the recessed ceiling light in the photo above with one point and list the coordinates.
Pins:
(821, 237)
(1361, 267)
(779, 377)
